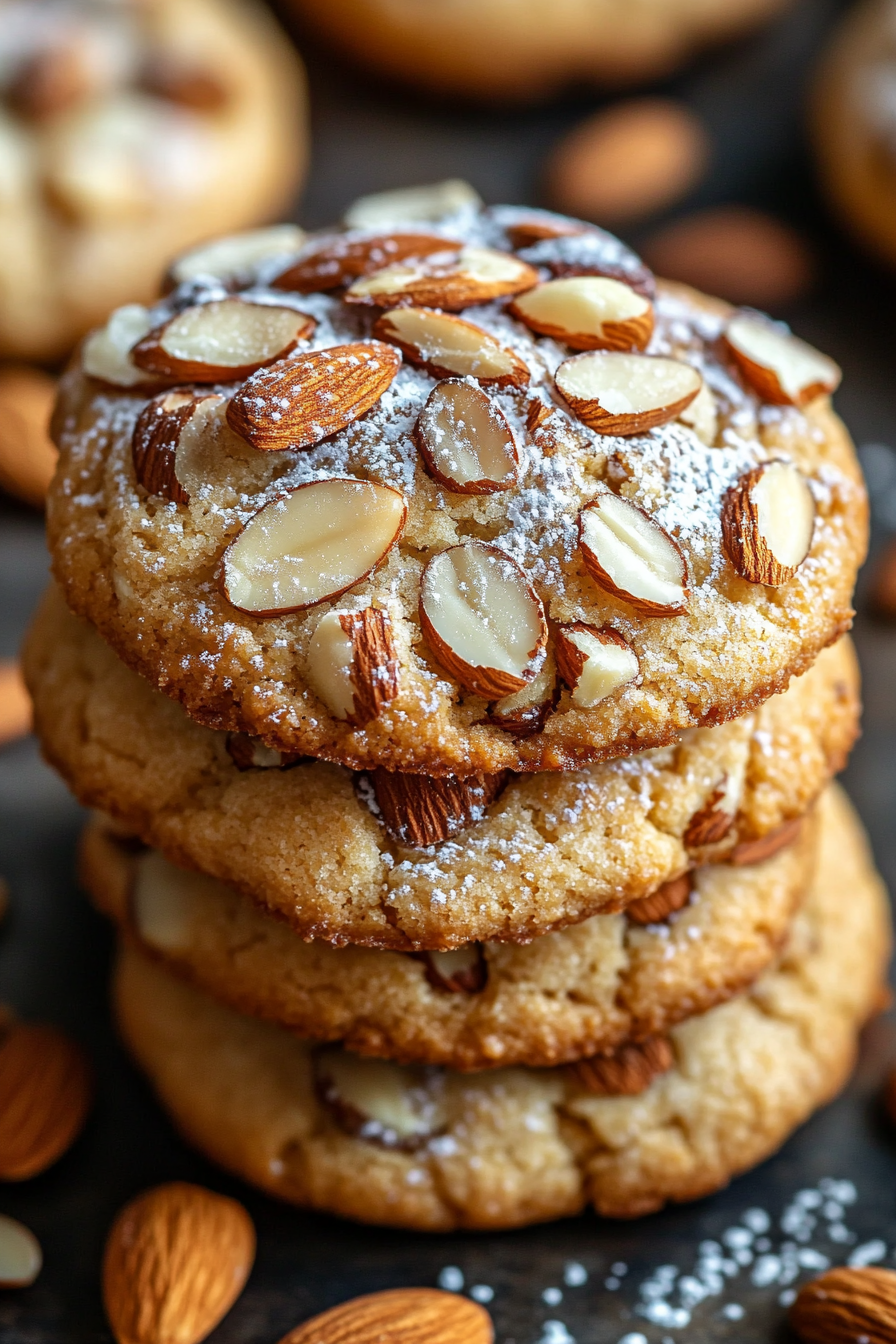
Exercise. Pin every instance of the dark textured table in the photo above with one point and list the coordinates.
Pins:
(54, 952)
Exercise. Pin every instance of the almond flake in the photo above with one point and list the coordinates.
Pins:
(236, 257)
(461, 971)
(352, 664)
(106, 353)
(375, 1099)
(424, 810)
(418, 205)
(473, 275)
(665, 901)
(626, 1071)
(541, 226)
(594, 662)
(465, 441)
(587, 312)
(616, 393)
(156, 438)
(631, 557)
(445, 345)
(781, 368)
(768, 518)
(342, 258)
(222, 341)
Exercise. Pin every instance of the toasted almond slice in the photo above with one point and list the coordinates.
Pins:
(781, 368)
(222, 341)
(344, 257)
(423, 810)
(526, 711)
(587, 312)
(445, 345)
(375, 1099)
(399, 1316)
(702, 416)
(164, 902)
(155, 440)
(594, 662)
(630, 556)
(474, 275)
(768, 518)
(106, 353)
(419, 205)
(353, 665)
(626, 1071)
(461, 971)
(250, 753)
(616, 393)
(465, 440)
(662, 903)
(21, 1258)
(541, 226)
(482, 619)
(300, 401)
(237, 256)
(311, 545)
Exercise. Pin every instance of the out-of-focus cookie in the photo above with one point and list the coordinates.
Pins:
(310, 842)
(130, 129)
(434, 1150)
(482, 504)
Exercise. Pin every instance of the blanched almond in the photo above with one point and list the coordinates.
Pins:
(445, 345)
(421, 205)
(345, 257)
(587, 312)
(781, 368)
(237, 256)
(20, 1254)
(300, 401)
(462, 971)
(632, 557)
(164, 902)
(423, 810)
(482, 619)
(375, 1099)
(250, 753)
(223, 341)
(465, 440)
(311, 545)
(768, 518)
(473, 275)
(353, 665)
(616, 393)
(594, 662)
(155, 441)
(626, 1071)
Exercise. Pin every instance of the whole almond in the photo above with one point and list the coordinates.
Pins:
(46, 1087)
(27, 455)
(15, 703)
(626, 1071)
(422, 810)
(177, 1258)
(398, 1316)
(845, 1306)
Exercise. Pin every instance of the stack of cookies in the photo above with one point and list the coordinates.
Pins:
(449, 631)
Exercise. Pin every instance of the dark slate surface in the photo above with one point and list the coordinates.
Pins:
(54, 951)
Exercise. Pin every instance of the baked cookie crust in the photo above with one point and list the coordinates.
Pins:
(521, 1146)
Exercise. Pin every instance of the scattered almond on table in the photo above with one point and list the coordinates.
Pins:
(845, 1306)
(401, 1316)
(20, 1254)
(15, 703)
(27, 454)
(46, 1088)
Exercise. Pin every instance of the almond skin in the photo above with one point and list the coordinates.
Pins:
(746, 545)
(423, 810)
(627, 1071)
(376, 668)
(757, 851)
(846, 1305)
(711, 823)
(399, 1316)
(154, 442)
(176, 1260)
(662, 903)
(343, 258)
(46, 1089)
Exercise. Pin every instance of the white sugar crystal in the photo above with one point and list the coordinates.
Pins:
(451, 1279)
(574, 1274)
(869, 1253)
(482, 1292)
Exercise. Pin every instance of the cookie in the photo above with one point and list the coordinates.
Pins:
(854, 115)
(526, 51)
(436, 1150)
(358, 559)
(123, 129)
(551, 850)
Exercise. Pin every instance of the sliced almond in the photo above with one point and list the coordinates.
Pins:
(482, 619)
(300, 401)
(465, 441)
(541, 226)
(594, 662)
(781, 368)
(630, 556)
(46, 1089)
(223, 341)
(250, 753)
(525, 712)
(757, 851)
(375, 1099)
(21, 1258)
(164, 902)
(424, 810)
(311, 545)
(176, 1259)
(615, 393)
(662, 903)
(155, 441)
(626, 1071)
(237, 256)
(473, 275)
(420, 205)
(399, 1316)
(353, 665)
(702, 416)
(768, 518)
(106, 353)
(462, 971)
(587, 312)
(446, 346)
(712, 822)
(342, 258)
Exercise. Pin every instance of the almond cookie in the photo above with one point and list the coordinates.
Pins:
(310, 842)
(124, 125)
(435, 1150)
(567, 995)
(417, 500)
(854, 116)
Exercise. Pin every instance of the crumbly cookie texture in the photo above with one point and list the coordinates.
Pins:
(552, 850)
(567, 995)
(471, 664)
(123, 127)
(518, 1146)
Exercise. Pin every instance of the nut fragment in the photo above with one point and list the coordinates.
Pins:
(525, 712)
(353, 665)
(399, 1316)
(482, 619)
(339, 259)
(712, 822)
(781, 368)
(176, 1259)
(594, 662)
(541, 226)
(587, 312)
(615, 393)
(423, 810)
(445, 346)
(27, 454)
(163, 902)
(375, 1099)
(106, 353)
(236, 257)
(847, 1306)
(461, 971)
(662, 903)
(420, 205)
(757, 851)
(222, 341)
(310, 545)
(626, 1071)
(46, 1088)
(768, 518)
(20, 1254)
(465, 440)
(473, 275)
(300, 401)
(155, 441)
(250, 753)
(631, 557)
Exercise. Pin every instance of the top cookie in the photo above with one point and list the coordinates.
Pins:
(425, 501)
